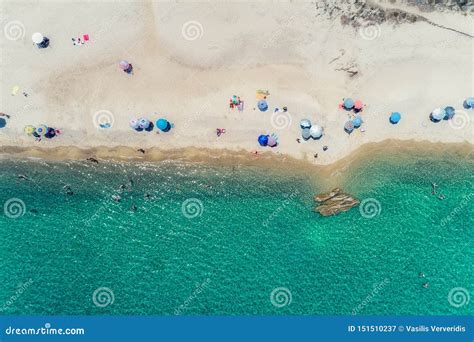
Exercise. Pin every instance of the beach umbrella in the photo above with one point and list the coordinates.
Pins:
(449, 113)
(395, 117)
(134, 123)
(468, 103)
(349, 127)
(357, 122)
(50, 133)
(316, 132)
(37, 38)
(41, 129)
(262, 105)
(163, 125)
(305, 123)
(438, 114)
(305, 133)
(3, 122)
(143, 123)
(263, 140)
(358, 105)
(271, 142)
(29, 129)
(124, 65)
(348, 103)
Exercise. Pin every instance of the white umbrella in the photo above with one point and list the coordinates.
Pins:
(37, 38)
(316, 132)
(305, 123)
(438, 114)
(305, 133)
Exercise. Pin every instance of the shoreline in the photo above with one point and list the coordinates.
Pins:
(226, 157)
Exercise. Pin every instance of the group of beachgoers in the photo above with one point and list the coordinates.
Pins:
(41, 131)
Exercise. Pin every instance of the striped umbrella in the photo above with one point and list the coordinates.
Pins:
(41, 129)
(143, 123)
(349, 127)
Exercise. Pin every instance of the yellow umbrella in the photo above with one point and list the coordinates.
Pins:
(29, 129)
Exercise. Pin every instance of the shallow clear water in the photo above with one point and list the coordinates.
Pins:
(219, 240)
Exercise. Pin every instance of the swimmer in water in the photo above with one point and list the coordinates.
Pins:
(147, 195)
(441, 197)
(425, 285)
(421, 275)
(33, 211)
(116, 198)
(25, 177)
(433, 188)
(93, 160)
(133, 207)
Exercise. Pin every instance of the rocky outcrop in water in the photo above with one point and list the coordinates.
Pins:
(334, 202)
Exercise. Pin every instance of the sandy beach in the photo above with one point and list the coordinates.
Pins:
(190, 58)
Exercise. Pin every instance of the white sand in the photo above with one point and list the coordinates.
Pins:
(292, 50)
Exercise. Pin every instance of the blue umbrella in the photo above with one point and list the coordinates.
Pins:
(3, 122)
(348, 103)
(395, 117)
(449, 113)
(262, 105)
(163, 125)
(357, 121)
(305, 123)
(469, 102)
(263, 140)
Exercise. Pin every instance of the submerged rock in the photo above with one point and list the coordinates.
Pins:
(334, 202)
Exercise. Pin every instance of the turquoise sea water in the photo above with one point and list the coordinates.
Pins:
(220, 240)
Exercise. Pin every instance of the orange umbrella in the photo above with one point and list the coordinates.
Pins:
(358, 105)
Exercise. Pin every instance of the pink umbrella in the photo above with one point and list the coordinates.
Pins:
(271, 142)
(124, 65)
(358, 105)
